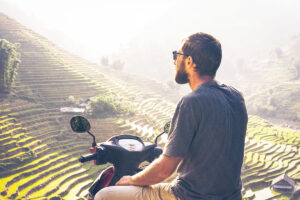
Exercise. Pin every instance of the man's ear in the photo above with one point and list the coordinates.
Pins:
(190, 63)
(188, 60)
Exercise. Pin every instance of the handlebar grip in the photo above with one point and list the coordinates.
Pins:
(87, 157)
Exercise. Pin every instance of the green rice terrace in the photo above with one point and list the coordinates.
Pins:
(39, 152)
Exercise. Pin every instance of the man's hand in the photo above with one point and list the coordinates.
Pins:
(156, 172)
(125, 180)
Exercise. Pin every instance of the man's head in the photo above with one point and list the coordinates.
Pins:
(204, 51)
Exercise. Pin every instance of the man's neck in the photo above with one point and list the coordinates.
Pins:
(196, 80)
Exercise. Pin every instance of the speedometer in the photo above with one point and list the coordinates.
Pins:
(131, 144)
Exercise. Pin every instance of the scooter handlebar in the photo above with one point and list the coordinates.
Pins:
(87, 157)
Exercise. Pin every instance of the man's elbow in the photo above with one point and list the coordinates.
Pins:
(167, 165)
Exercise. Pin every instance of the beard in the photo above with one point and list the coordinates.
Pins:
(181, 76)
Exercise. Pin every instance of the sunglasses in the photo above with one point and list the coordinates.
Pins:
(175, 53)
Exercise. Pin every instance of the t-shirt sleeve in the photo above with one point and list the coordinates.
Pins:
(182, 130)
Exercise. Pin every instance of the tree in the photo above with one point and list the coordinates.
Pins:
(9, 62)
(118, 65)
(297, 67)
(104, 61)
(278, 53)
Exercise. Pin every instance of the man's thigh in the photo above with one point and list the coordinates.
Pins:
(160, 191)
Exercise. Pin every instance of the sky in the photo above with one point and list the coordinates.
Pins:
(88, 23)
(144, 33)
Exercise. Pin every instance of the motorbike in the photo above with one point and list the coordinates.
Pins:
(124, 152)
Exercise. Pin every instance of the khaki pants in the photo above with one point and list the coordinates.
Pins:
(161, 191)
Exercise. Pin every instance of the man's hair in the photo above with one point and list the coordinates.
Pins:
(206, 52)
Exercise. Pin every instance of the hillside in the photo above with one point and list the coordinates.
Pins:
(280, 101)
(38, 153)
(275, 92)
(36, 141)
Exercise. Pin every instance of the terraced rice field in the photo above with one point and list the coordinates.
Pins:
(38, 152)
(269, 152)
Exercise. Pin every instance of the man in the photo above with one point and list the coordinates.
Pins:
(206, 138)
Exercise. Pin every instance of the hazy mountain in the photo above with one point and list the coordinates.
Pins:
(277, 92)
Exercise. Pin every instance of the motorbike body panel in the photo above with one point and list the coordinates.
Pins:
(103, 180)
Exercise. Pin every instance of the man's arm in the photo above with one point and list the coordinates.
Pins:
(156, 172)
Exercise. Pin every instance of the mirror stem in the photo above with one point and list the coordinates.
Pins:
(158, 137)
(94, 140)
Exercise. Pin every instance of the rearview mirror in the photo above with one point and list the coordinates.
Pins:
(167, 127)
(80, 124)
(166, 130)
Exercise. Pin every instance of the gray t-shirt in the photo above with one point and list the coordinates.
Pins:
(208, 131)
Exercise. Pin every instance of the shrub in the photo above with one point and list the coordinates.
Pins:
(110, 105)
(9, 62)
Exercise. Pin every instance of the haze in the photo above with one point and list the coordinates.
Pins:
(142, 34)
